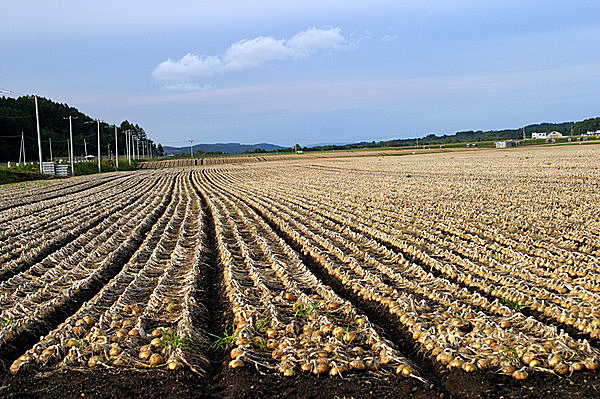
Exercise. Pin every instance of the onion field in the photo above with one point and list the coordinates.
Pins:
(462, 273)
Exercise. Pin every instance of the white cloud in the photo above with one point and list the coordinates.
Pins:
(255, 52)
(187, 86)
(388, 38)
(247, 53)
(313, 39)
(190, 66)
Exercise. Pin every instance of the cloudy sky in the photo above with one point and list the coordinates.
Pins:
(312, 71)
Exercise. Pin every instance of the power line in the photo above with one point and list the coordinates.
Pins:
(7, 91)
(16, 117)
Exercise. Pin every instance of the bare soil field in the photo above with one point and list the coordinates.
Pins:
(456, 274)
(239, 158)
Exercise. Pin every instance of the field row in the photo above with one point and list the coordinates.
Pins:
(326, 267)
(135, 248)
(454, 288)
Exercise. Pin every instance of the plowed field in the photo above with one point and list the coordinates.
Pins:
(460, 274)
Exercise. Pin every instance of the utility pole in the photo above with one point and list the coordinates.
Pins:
(50, 140)
(116, 149)
(99, 155)
(37, 120)
(23, 145)
(71, 145)
(137, 144)
(191, 155)
(71, 156)
(417, 141)
(128, 145)
(22, 148)
(85, 148)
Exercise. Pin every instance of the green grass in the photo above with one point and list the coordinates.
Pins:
(262, 325)
(226, 341)
(41, 183)
(5, 321)
(79, 344)
(172, 340)
(304, 310)
(513, 304)
(10, 176)
(262, 345)
(107, 165)
(30, 172)
(509, 352)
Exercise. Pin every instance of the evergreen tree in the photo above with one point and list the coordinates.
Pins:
(18, 115)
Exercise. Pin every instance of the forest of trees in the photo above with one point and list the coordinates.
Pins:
(18, 115)
(587, 125)
(566, 128)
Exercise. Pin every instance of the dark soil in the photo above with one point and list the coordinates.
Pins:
(223, 382)
(248, 383)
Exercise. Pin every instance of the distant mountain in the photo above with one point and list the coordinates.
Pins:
(325, 144)
(227, 148)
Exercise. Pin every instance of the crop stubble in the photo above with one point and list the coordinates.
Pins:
(462, 274)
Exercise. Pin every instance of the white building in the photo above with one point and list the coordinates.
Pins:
(535, 135)
(554, 135)
(500, 144)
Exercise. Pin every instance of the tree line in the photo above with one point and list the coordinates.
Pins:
(18, 115)
(470, 136)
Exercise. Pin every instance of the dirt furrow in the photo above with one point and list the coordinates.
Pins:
(211, 289)
(43, 251)
(17, 345)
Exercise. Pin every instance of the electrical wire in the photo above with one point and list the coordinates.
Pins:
(16, 117)
(7, 91)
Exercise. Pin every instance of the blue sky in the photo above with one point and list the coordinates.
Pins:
(311, 71)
